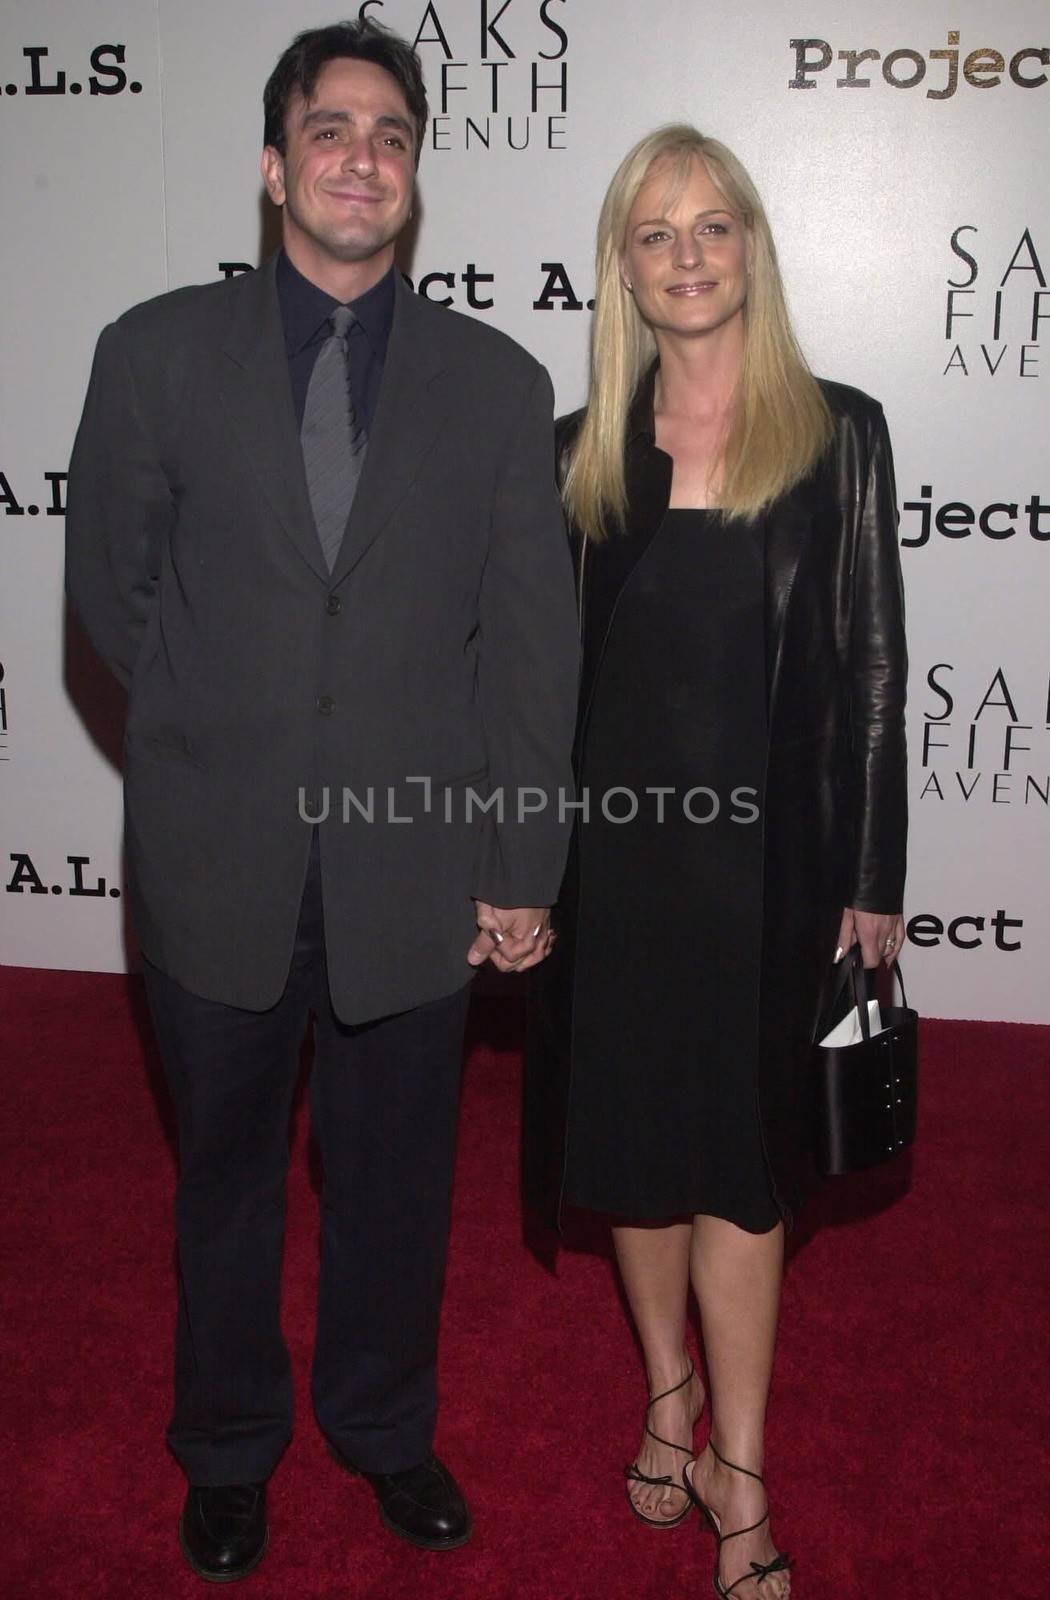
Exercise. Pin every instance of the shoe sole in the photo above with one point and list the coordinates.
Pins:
(222, 1577)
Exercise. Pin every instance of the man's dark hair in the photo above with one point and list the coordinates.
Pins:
(301, 65)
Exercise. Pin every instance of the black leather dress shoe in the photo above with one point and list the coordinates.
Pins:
(423, 1504)
(223, 1532)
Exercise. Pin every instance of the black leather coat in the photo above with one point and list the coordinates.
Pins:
(835, 804)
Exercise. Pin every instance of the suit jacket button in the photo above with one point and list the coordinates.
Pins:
(333, 605)
(325, 705)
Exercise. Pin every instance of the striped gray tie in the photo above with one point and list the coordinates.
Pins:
(333, 439)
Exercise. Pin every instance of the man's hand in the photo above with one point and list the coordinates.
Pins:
(879, 935)
(511, 940)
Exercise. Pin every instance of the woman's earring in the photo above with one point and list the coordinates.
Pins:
(628, 286)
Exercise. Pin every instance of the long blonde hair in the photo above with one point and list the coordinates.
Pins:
(779, 424)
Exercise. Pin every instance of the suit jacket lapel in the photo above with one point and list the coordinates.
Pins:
(407, 422)
(258, 399)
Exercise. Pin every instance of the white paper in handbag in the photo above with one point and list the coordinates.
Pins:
(848, 1030)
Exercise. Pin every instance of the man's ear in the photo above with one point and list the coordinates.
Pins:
(272, 168)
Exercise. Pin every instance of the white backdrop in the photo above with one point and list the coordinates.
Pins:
(906, 189)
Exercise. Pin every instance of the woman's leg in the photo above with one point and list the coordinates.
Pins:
(654, 1265)
(736, 1277)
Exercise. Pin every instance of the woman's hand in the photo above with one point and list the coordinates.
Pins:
(879, 935)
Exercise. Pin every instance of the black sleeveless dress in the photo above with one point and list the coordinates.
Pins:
(663, 1111)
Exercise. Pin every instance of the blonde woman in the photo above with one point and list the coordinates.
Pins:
(741, 755)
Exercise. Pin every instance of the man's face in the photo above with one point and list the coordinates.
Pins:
(346, 178)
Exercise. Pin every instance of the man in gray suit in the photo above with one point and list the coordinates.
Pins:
(312, 527)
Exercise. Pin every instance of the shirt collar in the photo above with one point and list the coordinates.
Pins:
(305, 308)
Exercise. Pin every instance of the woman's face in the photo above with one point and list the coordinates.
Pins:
(685, 258)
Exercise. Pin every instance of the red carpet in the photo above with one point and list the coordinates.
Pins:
(907, 1453)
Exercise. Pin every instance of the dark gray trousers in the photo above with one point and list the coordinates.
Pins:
(383, 1104)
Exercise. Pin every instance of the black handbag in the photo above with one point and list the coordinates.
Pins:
(866, 1093)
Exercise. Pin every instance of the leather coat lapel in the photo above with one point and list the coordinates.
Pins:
(407, 422)
(785, 529)
(609, 565)
(258, 398)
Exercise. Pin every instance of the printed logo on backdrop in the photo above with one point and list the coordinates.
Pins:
(997, 304)
(497, 71)
(942, 72)
(40, 74)
(51, 500)
(935, 517)
(986, 739)
(437, 286)
(5, 754)
(469, 286)
(966, 932)
(75, 879)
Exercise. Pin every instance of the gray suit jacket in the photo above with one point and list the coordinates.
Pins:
(443, 646)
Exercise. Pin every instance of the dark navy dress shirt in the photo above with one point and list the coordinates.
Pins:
(305, 310)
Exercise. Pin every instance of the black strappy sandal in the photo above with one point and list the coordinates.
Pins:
(634, 1474)
(759, 1569)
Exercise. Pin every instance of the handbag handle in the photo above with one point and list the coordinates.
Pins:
(852, 964)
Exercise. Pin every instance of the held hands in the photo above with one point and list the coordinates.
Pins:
(511, 940)
(879, 935)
